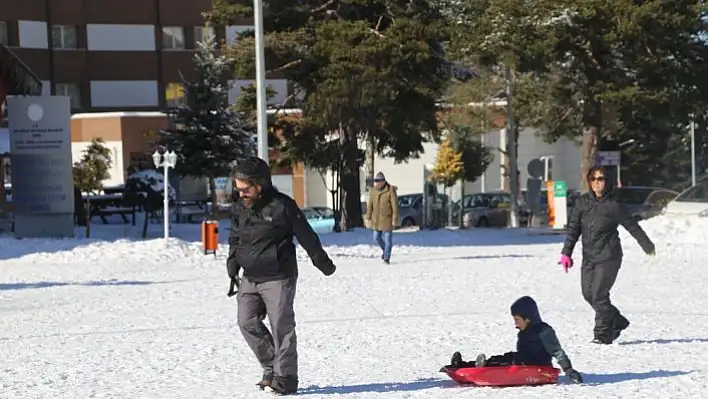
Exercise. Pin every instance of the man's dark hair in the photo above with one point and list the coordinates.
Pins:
(253, 170)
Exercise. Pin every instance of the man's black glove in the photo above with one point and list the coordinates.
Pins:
(574, 376)
(234, 286)
(232, 267)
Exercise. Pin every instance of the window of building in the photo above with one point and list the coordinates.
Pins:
(64, 36)
(174, 94)
(3, 33)
(70, 90)
(203, 33)
(172, 37)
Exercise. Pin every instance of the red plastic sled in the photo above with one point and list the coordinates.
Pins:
(504, 375)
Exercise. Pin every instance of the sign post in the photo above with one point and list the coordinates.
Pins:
(42, 180)
(560, 205)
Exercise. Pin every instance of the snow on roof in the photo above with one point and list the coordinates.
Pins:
(121, 114)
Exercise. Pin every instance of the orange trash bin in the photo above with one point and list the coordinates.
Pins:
(210, 236)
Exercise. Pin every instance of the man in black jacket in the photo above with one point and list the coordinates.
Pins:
(263, 225)
(596, 216)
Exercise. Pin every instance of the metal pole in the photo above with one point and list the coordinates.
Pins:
(166, 199)
(262, 122)
(619, 175)
(693, 153)
(511, 150)
(483, 178)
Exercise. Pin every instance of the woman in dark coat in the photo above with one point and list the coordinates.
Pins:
(596, 216)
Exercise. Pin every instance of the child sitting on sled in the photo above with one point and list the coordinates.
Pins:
(536, 345)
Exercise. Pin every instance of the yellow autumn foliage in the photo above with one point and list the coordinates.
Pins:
(449, 168)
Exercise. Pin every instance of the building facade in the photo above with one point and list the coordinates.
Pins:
(122, 55)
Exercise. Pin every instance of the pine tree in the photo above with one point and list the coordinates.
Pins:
(368, 71)
(603, 70)
(90, 172)
(208, 135)
(449, 168)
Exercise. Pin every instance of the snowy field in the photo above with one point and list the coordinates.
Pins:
(123, 318)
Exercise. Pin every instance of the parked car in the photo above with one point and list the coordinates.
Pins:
(320, 218)
(542, 217)
(487, 210)
(410, 208)
(644, 202)
(692, 201)
(655, 204)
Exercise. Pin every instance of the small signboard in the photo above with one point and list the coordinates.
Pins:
(608, 158)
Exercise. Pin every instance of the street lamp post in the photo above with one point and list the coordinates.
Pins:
(693, 152)
(167, 160)
(619, 164)
(547, 165)
(261, 106)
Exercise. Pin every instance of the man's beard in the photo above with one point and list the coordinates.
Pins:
(248, 201)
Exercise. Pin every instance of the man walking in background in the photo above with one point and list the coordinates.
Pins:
(263, 225)
(382, 214)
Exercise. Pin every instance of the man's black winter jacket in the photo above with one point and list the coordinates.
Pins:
(597, 219)
(261, 239)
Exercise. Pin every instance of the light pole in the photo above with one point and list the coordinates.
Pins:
(511, 149)
(619, 164)
(167, 160)
(693, 152)
(262, 121)
(547, 165)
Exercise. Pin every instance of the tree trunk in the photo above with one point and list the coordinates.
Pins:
(214, 199)
(144, 233)
(460, 212)
(592, 130)
(349, 182)
(87, 213)
(507, 160)
(369, 164)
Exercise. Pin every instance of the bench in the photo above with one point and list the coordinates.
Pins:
(114, 210)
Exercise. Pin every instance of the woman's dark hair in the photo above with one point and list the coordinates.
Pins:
(595, 169)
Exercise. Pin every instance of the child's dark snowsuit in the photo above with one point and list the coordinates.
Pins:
(536, 345)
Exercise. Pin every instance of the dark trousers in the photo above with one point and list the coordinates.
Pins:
(596, 281)
(276, 352)
(506, 359)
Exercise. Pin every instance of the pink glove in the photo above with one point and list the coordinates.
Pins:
(566, 262)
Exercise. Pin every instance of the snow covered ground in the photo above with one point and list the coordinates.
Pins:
(125, 318)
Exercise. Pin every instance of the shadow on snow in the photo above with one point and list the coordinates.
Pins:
(429, 383)
(99, 283)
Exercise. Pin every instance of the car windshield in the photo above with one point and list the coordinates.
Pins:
(631, 195)
(697, 193)
(325, 212)
(406, 200)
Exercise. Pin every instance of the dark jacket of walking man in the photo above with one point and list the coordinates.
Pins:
(263, 225)
(596, 216)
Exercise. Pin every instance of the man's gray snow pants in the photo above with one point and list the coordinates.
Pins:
(277, 352)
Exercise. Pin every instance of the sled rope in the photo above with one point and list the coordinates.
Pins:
(383, 316)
